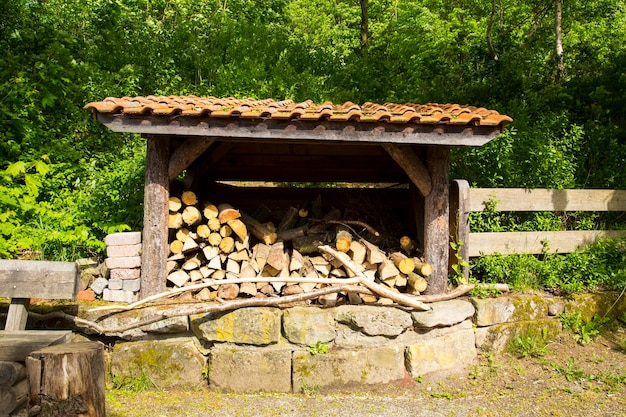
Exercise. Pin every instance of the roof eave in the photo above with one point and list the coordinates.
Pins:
(298, 130)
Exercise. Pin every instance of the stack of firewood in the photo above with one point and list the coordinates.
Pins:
(218, 243)
(13, 388)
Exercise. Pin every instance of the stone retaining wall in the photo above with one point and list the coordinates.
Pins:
(284, 349)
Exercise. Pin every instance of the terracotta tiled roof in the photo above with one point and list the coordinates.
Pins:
(431, 113)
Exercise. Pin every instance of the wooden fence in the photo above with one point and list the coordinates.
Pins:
(464, 200)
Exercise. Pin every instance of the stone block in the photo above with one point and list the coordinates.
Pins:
(444, 314)
(497, 338)
(171, 325)
(596, 304)
(252, 326)
(99, 285)
(123, 251)
(125, 273)
(126, 262)
(452, 352)
(123, 238)
(130, 284)
(344, 367)
(234, 368)
(118, 296)
(522, 307)
(374, 320)
(171, 363)
(115, 284)
(308, 325)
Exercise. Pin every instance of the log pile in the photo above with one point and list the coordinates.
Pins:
(211, 243)
(13, 389)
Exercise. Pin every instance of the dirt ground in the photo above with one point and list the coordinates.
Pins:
(562, 379)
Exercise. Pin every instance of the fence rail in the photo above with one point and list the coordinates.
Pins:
(464, 200)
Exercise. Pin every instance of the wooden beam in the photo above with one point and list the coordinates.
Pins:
(17, 345)
(521, 199)
(156, 195)
(412, 165)
(436, 219)
(297, 130)
(506, 243)
(41, 279)
(188, 152)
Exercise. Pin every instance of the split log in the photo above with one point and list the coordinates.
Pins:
(260, 252)
(227, 213)
(258, 230)
(289, 220)
(417, 282)
(210, 211)
(226, 231)
(402, 262)
(423, 268)
(357, 252)
(12, 397)
(175, 221)
(194, 262)
(190, 245)
(374, 254)
(210, 252)
(214, 224)
(203, 231)
(176, 246)
(276, 256)
(228, 291)
(195, 275)
(189, 198)
(343, 241)
(407, 244)
(227, 245)
(309, 244)
(68, 379)
(239, 228)
(178, 278)
(191, 215)
(291, 234)
(174, 204)
(214, 239)
(11, 372)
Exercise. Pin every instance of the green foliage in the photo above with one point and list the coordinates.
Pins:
(318, 348)
(136, 383)
(600, 265)
(533, 344)
(584, 331)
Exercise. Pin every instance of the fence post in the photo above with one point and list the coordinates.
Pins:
(459, 223)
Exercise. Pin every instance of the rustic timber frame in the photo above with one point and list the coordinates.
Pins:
(291, 149)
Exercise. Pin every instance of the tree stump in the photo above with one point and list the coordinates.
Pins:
(68, 380)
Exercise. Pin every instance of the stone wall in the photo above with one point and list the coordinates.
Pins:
(303, 347)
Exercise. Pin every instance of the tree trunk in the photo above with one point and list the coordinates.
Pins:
(364, 25)
(558, 20)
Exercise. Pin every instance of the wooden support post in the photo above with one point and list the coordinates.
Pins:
(17, 314)
(68, 379)
(156, 195)
(459, 224)
(436, 218)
